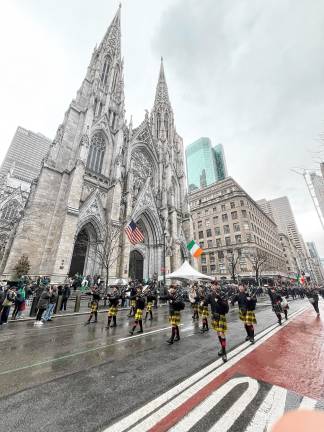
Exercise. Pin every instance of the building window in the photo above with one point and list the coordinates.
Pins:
(207, 222)
(214, 209)
(242, 203)
(96, 153)
(215, 219)
(201, 234)
(105, 70)
(220, 254)
(238, 238)
(202, 244)
(209, 232)
(228, 241)
(206, 211)
(211, 257)
(226, 229)
(212, 268)
(204, 269)
(199, 224)
(217, 231)
(246, 226)
(244, 214)
(236, 227)
(218, 242)
(234, 215)
(232, 204)
(210, 243)
(223, 207)
(224, 217)
(203, 258)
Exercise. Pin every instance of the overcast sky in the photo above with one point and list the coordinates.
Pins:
(247, 73)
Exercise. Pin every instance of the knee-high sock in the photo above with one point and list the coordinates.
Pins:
(286, 313)
(247, 329)
(177, 332)
(151, 314)
(134, 326)
(115, 320)
(109, 321)
(146, 315)
(223, 344)
(173, 331)
(251, 331)
(141, 324)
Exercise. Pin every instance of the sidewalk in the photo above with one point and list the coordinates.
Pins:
(281, 372)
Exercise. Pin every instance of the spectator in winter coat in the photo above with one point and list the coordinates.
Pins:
(42, 305)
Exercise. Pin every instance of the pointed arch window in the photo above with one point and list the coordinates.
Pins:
(96, 153)
(10, 211)
(158, 124)
(105, 70)
(166, 123)
(115, 79)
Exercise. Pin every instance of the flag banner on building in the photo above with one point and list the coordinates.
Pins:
(194, 249)
(133, 233)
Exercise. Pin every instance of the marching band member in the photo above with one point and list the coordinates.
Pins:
(139, 306)
(203, 310)
(246, 304)
(150, 297)
(113, 307)
(176, 305)
(94, 304)
(194, 300)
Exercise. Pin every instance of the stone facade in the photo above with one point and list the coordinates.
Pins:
(234, 231)
(100, 172)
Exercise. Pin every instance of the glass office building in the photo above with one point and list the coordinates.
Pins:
(205, 164)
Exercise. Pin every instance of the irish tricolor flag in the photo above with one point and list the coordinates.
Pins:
(194, 249)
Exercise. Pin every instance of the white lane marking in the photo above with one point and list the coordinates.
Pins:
(130, 337)
(210, 402)
(307, 403)
(275, 400)
(190, 386)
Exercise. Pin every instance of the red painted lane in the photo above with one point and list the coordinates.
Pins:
(291, 358)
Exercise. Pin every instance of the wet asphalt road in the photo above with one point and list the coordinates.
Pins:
(66, 376)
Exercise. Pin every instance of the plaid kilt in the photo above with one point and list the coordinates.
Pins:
(175, 318)
(112, 311)
(277, 308)
(195, 307)
(138, 315)
(248, 317)
(219, 323)
(133, 303)
(94, 306)
(149, 306)
(203, 311)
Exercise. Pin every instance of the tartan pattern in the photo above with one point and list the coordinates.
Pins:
(195, 307)
(219, 323)
(248, 317)
(149, 306)
(112, 311)
(175, 318)
(138, 315)
(94, 306)
(203, 311)
(133, 303)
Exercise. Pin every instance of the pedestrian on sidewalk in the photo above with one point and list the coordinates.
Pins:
(113, 299)
(276, 300)
(219, 308)
(312, 295)
(8, 301)
(65, 296)
(19, 303)
(139, 307)
(42, 305)
(246, 304)
(176, 305)
(47, 315)
(93, 304)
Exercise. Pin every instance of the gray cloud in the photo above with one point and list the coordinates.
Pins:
(249, 74)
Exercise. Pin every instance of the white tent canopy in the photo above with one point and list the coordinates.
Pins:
(187, 272)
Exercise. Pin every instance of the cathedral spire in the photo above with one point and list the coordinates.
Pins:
(112, 39)
(162, 94)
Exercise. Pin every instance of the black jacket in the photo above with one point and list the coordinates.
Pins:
(217, 304)
(245, 302)
(140, 301)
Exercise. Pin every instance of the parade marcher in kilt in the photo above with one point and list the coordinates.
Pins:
(194, 300)
(176, 304)
(94, 304)
(219, 309)
(246, 304)
(312, 295)
(113, 299)
(132, 300)
(203, 310)
(139, 306)
(150, 297)
(276, 300)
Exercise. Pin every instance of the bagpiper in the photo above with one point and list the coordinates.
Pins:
(176, 305)
(149, 303)
(219, 309)
(139, 306)
(203, 310)
(246, 304)
(94, 304)
(113, 299)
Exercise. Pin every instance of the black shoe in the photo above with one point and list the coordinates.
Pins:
(169, 341)
(220, 352)
(108, 327)
(95, 321)
(224, 357)
(131, 333)
(150, 319)
(139, 331)
(202, 330)
(252, 340)
(247, 338)
(177, 338)
(87, 322)
(279, 322)
(113, 325)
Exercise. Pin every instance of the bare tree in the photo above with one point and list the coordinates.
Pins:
(233, 257)
(258, 258)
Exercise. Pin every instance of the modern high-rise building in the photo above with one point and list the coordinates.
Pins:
(25, 154)
(316, 263)
(318, 187)
(205, 163)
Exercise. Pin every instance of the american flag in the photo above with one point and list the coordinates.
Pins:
(133, 233)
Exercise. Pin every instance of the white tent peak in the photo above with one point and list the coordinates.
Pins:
(187, 272)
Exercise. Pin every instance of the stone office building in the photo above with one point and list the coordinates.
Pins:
(234, 232)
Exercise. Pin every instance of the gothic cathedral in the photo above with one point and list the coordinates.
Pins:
(99, 173)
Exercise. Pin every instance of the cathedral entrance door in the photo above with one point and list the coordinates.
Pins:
(136, 265)
(79, 253)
